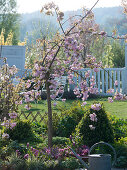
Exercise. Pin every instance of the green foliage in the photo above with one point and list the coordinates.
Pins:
(9, 20)
(121, 152)
(35, 165)
(97, 48)
(22, 131)
(66, 126)
(52, 165)
(108, 56)
(119, 127)
(13, 146)
(103, 129)
(118, 51)
(17, 163)
(38, 128)
(71, 163)
(58, 141)
(66, 122)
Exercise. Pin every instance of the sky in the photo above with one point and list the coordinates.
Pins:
(27, 6)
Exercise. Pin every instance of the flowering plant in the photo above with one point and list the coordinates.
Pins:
(9, 92)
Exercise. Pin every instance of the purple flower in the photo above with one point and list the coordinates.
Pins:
(26, 156)
(13, 115)
(36, 153)
(31, 148)
(27, 145)
(70, 137)
(18, 153)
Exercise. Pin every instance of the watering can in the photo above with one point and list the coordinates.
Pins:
(98, 161)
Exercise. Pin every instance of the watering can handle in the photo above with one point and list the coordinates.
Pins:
(104, 143)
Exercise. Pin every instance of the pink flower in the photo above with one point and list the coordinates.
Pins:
(13, 115)
(18, 153)
(87, 74)
(96, 69)
(110, 99)
(93, 117)
(12, 125)
(55, 104)
(96, 106)
(118, 96)
(26, 156)
(20, 102)
(116, 83)
(27, 145)
(63, 100)
(27, 107)
(84, 103)
(5, 136)
(110, 91)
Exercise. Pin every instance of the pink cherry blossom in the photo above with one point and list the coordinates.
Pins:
(96, 106)
(110, 99)
(5, 136)
(93, 117)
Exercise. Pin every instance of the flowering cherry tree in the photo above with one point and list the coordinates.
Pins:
(63, 55)
(53, 65)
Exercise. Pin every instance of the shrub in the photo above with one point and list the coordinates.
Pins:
(119, 127)
(17, 163)
(7, 88)
(13, 146)
(66, 126)
(22, 131)
(52, 165)
(58, 141)
(68, 120)
(103, 129)
(70, 163)
(38, 128)
(121, 152)
(35, 165)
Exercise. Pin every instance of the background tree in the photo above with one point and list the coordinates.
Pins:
(9, 19)
(97, 47)
(118, 51)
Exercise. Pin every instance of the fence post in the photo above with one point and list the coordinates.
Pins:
(125, 72)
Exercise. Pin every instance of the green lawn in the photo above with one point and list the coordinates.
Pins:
(118, 108)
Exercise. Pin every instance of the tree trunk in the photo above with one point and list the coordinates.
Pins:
(49, 116)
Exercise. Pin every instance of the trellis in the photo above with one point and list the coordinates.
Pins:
(33, 117)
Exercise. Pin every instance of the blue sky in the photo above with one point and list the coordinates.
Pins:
(33, 5)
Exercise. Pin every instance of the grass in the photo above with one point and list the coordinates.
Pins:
(117, 108)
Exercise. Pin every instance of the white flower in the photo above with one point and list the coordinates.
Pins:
(5, 136)
(91, 127)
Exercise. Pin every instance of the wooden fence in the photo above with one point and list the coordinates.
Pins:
(33, 117)
(104, 79)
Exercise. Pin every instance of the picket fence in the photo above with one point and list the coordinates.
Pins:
(104, 79)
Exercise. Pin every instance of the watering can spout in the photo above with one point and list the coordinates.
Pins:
(98, 161)
(80, 159)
